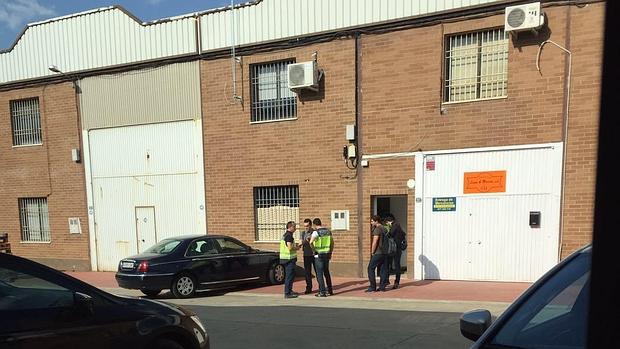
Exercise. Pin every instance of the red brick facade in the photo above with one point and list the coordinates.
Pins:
(401, 111)
(45, 171)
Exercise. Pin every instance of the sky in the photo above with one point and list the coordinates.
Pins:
(16, 14)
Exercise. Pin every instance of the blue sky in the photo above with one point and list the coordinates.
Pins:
(16, 14)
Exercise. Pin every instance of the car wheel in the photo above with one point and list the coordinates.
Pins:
(151, 293)
(183, 286)
(276, 274)
(167, 344)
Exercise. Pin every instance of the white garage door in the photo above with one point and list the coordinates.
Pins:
(147, 185)
(476, 214)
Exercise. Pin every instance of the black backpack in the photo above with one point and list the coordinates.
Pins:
(388, 244)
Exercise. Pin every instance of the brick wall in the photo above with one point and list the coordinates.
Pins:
(45, 171)
(402, 100)
(401, 112)
(586, 44)
(306, 152)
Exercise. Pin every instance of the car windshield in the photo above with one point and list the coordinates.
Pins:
(164, 246)
(555, 316)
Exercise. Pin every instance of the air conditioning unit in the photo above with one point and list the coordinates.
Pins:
(523, 17)
(303, 75)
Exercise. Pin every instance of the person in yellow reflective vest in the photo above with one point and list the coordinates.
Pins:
(288, 258)
(323, 245)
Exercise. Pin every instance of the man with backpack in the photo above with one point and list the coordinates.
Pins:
(377, 257)
(399, 236)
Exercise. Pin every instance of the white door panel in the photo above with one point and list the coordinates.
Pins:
(487, 236)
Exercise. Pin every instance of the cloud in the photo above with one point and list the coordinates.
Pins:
(17, 13)
(154, 2)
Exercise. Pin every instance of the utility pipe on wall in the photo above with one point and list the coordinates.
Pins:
(565, 133)
(234, 58)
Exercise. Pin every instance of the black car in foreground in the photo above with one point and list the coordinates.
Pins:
(187, 264)
(551, 314)
(44, 308)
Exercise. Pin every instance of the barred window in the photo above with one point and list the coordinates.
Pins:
(274, 207)
(26, 121)
(476, 66)
(271, 97)
(34, 220)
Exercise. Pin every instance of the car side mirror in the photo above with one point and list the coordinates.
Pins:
(474, 323)
(83, 304)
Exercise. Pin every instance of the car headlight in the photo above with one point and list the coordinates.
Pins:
(198, 323)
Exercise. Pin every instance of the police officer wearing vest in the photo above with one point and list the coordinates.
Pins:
(288, 259)
(323, 245)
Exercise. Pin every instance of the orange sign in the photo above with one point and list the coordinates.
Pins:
(484, 182)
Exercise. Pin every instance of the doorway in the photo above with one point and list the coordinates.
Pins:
(396, 205)
(146, 229)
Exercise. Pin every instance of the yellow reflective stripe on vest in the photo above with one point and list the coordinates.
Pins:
(322, 244)
(285, 253)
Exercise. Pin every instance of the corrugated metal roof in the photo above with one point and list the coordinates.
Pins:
(112, 36)
(269, 20)
(167, 93)
(94, 39)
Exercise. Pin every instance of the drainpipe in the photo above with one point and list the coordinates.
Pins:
(358, 139)
(565, 131)
(234, 58)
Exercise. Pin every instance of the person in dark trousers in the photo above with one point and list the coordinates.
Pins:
(288, 258)
(399, 235)
(377, 258)
(308, 254)
(323, 245)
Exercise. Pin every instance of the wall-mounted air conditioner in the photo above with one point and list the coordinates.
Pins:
(523, 17)
(303, 75)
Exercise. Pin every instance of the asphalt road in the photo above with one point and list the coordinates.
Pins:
(319, 327)
(244, 320)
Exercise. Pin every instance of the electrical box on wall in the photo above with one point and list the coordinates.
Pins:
(535, 219)
(75, 155)
(350, 133)
(75, 227)
(340, 220)
(351, 151)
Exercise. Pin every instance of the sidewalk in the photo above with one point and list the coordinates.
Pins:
(505, 292)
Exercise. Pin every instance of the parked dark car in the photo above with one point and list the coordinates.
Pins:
(43, 308)
(187, 264)
(551, 314)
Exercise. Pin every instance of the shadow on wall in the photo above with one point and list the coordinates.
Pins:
(310, 96)
(526, 38)
(431, 272)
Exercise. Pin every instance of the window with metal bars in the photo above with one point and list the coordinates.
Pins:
(26, 121)
(274, 207)
(34, 220)
(271, 98)
(476, 66)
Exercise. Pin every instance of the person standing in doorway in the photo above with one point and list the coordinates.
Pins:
(377, 258)
(399, 235)
(323, 245)
(308, 254)
(288, 258)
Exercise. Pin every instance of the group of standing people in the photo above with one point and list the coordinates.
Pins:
(380, 259)
(317, 245)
